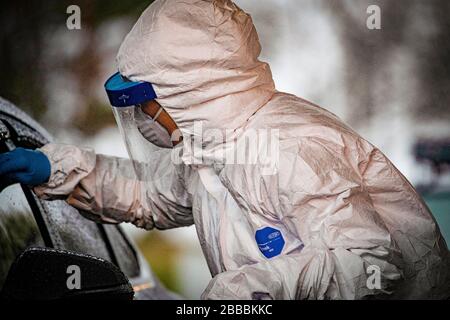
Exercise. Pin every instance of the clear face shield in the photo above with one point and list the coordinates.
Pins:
(148, 143)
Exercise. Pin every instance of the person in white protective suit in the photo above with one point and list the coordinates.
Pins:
(327, 217)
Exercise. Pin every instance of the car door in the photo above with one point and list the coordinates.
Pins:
(18, 228)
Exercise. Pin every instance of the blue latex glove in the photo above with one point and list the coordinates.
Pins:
(25, 166)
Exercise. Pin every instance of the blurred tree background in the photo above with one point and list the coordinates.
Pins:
(27, 57)
(417, 28)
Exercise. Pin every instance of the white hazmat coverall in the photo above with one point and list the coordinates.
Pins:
(332, 217)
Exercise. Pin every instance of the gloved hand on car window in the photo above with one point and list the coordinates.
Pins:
(24, 166)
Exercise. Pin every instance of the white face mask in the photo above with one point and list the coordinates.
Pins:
(151, 129)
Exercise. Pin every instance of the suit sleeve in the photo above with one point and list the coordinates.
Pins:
(106, 189)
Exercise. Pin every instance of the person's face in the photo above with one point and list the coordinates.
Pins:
(151, 108)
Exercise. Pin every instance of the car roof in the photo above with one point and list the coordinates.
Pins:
(25, 126)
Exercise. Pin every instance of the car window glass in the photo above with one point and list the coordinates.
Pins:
(18, 228)
(125, 254)
(71, 231)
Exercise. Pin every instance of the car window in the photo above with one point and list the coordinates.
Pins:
(124, 252)
(70, 231)
(18, 228)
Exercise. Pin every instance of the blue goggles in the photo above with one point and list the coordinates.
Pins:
(124, 93)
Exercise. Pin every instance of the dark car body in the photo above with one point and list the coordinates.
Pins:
(26, 221)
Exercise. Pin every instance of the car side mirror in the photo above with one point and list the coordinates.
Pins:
(48, 274)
